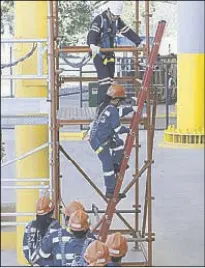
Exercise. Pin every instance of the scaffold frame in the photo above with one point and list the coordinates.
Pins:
(138, 236)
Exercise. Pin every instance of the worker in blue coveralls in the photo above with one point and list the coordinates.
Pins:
(66, 246)
(37, 229)
(102, 34)
(104, 135)
(118, 247)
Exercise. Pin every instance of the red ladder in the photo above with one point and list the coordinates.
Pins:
(107, 218)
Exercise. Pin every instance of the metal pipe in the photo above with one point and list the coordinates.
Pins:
(128, 211)
(8, 214)
(37, 149)
(8, 223)
(166, 95)
(26, 187)
(90, 78)
(149, 142)
(141, 171)
(76, 49)
(24, 77)
(58, 85)
(49, 114)
(54, 127)
(7, 40)
(25, 180)
(137, 131)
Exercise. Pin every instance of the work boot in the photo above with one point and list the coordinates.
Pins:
(109, 195)
(117, 168)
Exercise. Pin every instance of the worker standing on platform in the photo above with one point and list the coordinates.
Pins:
(102, 34)
(37, 229)
(117, 245)
(104, 135)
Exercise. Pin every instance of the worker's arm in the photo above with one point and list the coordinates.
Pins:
(128, 32)
(45, 250)
(94, 32)
(126, 110)
(25, 243)
(115, 123)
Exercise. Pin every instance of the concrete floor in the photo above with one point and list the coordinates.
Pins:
(178, 187)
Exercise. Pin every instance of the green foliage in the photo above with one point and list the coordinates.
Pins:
(7, 11)
(74, 20)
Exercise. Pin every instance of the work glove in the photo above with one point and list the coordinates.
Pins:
(95, 50)
(134, 107)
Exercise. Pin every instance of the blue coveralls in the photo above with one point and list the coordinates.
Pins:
(113, 264)
(32, 240)
(106, 129)
(103, 34)
(56, 245)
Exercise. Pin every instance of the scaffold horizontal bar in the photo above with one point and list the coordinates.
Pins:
(24, 120)
(75, 49)
(37, 149)
(133, 264)
(90, 78)
(9, 40)
(8, 214)
(10, 223)
(26, 187)
(117, 211)
(24, 180)
(24, 106)
(23, 77)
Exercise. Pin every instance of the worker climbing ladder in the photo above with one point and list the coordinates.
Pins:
(107, 218)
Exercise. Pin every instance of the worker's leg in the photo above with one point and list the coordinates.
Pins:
(111, 70)
(117, 152)
(104, 79)
(108, 169)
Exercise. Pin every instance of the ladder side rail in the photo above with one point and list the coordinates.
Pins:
(130, 138)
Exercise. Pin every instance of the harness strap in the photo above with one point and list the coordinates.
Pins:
(62, 247)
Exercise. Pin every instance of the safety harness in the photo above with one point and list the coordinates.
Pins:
(38, 238)
(106, 36)
(79, 259)
(94, 129)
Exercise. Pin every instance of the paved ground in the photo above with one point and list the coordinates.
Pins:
(178, 187)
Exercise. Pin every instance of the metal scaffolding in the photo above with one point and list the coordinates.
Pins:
(138, 232)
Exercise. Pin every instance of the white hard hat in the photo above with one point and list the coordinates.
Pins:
(116, 7)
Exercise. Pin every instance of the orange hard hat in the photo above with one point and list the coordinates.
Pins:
(72, 207)
(78, 221)
(97, 254)
(117, 245)
(44, 205)
(116, 91)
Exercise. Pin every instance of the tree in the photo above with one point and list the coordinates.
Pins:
(75, 19)
(7, 15)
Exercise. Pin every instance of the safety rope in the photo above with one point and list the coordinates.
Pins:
(29, 54)
(79, 64)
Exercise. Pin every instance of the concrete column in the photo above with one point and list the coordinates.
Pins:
(30, 22)
(190, 75)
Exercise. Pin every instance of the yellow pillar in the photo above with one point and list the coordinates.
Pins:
(190, 76)
(30, 23)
